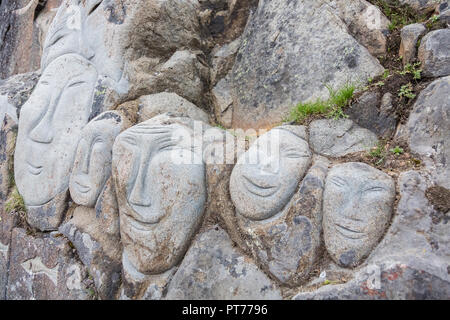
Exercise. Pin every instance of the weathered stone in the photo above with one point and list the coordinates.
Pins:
(95, 235)
(213, 269)
(420, 6)
(444, 12)
(428, 129)
(357, 207)
(223, 102)
(434, 53)
(160, 184)
(8, 220)
(159, 103)
(290, 52)
(289, 244)
(16, 36)
(337, 138)
(366, 23)
(49, 130)
(8, 131)
(44, 268)
(223, 60)
(265, 178)
(410, 34)
(14, 92)
(92, 164)
(374, 113)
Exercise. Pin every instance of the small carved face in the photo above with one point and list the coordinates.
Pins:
(92, 166)
(49, 128)
(358, 202)
(266, 176)
(161, 199)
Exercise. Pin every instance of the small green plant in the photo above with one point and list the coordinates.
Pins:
(397, 150)
(412, 69)
(331, 108)
(386, 74)
(15, 202)
(378, 153)
(380, 83)
(407, 91)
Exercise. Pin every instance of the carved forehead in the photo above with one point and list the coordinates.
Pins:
(68, 67)
(283, 138)
(356, 175)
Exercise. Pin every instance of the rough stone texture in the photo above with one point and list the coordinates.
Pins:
(159, 103)
(222, 101)
(16, 36)
(290, 51)
(289, 244)
(336, 138)
(214, 269)
(421, 6)
(92, 165)
(49, 131)
(444, 12)
(44, 268)
(15, 91)
(410, 34)
(265, 178)
(357, 207)
(222, 60)
(434, 53)
(161, 191)
(97, 240)
(374, 113)
(366, 23)
(8, 220)
(428, 129)
(8, 131)
(411, 262)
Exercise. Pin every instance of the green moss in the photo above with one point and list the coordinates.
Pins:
(15, 202)
(330, 108)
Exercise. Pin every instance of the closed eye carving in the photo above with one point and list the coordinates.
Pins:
(374, 189)
(340, 182)
(95, 7)
(76, 84)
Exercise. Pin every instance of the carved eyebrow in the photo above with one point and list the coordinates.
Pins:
(375, 187)
(76, 83)
(128, 138)
(340, 182)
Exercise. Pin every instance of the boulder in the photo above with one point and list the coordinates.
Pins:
(8, 131)
(8, 221)
(434, 53)
(222, 101)
(428, 129)
(420, 6)
(337, 138)
(214, 269)
(290, 52)
(410, 34)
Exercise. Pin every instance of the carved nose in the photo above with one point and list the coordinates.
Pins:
(268, 164)
(349, 209)
(139, 195)
(85, 162)
(43, 131)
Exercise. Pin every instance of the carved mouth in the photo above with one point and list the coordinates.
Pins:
(259, 188)
(82, 188)
(348, 232)
(145, 215)
(34, 170)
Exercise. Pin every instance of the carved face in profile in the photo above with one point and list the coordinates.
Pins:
(161, 200)
(49, 128)
(92, 166)
(357, 207)
(267, 175)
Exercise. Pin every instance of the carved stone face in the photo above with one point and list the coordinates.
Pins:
(92, 166)
(358, 202)
(49, 128)
(264, 179)
(161, 201)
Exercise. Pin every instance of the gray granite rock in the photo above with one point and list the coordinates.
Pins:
(159, 103)
(375, 113)
(428, 129)
(222, 101)
(222, 60)
(357, 207)
(159, 177)
(8, 132)
(214, 269)
(290, 51)
(43, 267)
(49, 131)
(8, 220)
(410, 34)
(289, 244)
(420, 6)
(337, 138)
(434, 53)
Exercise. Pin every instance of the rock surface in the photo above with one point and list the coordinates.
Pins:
(434, 53)
(337, 138)
(289, 53)
(410, 34)
(213, 269)
(428, 129)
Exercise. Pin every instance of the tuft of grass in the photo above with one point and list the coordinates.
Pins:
(15, 202)
(331, 108)
(378, 153)
(397, 150)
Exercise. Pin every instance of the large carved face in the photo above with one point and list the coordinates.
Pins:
(161, 201)
(92, 166)
(49, 128)
(266, 176)
(357, 207)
